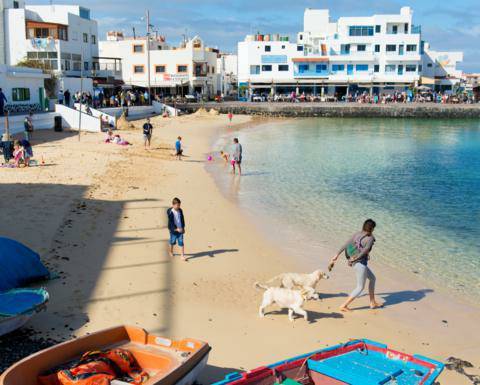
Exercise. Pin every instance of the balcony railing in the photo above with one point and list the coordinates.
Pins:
(416, 29)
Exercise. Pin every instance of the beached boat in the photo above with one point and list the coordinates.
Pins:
(17, 306)
(358, 362)
(165, 361)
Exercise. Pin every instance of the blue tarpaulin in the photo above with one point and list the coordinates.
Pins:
(19, 265)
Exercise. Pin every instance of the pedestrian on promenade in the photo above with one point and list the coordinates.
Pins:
(3, 100)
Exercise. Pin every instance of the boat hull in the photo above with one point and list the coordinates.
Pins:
(167, 362)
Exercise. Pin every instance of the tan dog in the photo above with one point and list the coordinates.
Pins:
(307, 282)
(285, 298)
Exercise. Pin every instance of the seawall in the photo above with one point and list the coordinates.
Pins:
(400, 110)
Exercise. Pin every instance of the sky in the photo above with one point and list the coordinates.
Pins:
(447, 25)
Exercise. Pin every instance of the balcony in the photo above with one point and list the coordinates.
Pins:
(41, 44)
(416, 29)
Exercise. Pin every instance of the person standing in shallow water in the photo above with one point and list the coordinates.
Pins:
(237, 156)
(357, 250)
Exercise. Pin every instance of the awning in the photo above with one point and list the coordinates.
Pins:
(311, 60)
(425, 80)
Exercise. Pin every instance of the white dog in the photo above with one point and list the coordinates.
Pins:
(307, 282)
(285, 298)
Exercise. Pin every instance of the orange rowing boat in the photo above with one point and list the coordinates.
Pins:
(166, 361)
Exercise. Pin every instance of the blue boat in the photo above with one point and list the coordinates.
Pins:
(17, 306)
(358, 362)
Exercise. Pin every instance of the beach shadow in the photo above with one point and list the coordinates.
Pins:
(212, 373)
(404, 296)
(332, 295)
(391, 299)
(313, 316)
(210, 253)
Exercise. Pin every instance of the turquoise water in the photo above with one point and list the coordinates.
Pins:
(314, 181)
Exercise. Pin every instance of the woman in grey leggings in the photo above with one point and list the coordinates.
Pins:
(357, 250)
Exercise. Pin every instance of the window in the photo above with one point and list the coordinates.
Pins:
(390, 68)
(85, 65)
(159, 69)
(420, 68)
(62, 33)
(320, 68)
(255, 70)
(405, 30)
(338, 67)
(85, 37)
(16, 5)
(84, 13)
(20, 94)
(283, 67)
(376, 68)
(395, 29)
(303, 68)
(77, 65)
(138, 69)
(429, 65)
(378, 28)
(361, 67)
(411, 48)
(267, 68)
(66, 65)
(182, 68)
(391, 48)
(361, 47)
(94, 39)
(345, 49)
(400, 69)
(283, 47)
(300, 37)
(377, 47)
(268, 48)
(361, 31)
(410, 68)
(299, 47)
(137, 48)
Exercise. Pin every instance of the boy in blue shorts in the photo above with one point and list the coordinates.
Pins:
(176, 226)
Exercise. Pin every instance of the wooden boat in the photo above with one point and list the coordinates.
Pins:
(17, 306)
(358, 362)
(166, 361)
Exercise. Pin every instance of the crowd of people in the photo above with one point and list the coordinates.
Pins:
(409, 96)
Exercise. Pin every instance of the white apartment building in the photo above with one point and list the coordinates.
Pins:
(227, 66)
(62, 37)
(186, 69)
(377, 54)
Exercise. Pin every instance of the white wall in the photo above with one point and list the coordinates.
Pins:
(111, 119)
(21, 77)
(43, 121)
(70, 119)
(159, 108)
(134, 112)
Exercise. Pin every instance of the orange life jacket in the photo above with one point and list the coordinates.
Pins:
(98, 368)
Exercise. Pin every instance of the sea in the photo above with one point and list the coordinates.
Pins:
(309, 183)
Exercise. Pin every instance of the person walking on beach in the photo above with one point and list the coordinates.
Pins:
(178, 148)
(237, 156)
(176, 226)
(28, 126)
(357, 250)
(147, 133)
(230, 116)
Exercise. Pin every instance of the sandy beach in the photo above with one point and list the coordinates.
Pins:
(96, 213)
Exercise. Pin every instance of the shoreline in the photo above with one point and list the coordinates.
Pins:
(118, 270)
(329, 248)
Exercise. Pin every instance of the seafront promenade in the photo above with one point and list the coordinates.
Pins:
(340, 109)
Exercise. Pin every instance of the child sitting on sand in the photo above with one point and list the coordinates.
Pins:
(19, 155)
